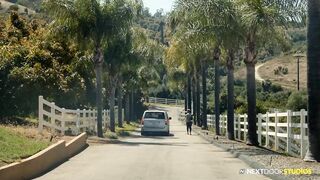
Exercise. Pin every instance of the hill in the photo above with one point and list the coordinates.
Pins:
(287, 80)
(5, 6)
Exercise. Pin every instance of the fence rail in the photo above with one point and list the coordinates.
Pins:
(63, 120)
(156, 100)
(279, 131)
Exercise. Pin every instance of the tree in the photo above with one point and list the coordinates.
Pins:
(261, 21)
(89, 23)
(313, 80)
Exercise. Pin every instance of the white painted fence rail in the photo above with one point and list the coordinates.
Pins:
(279, 131)
(63, 120)
(165, 101)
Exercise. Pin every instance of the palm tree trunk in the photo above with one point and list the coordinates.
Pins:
(217, 89)
(194, 102)
(313, 81)
(98, 71)
(230, 95)
(252, 138)
(186, 96)
(132, 113)
(120, 124)
(189, 92)
(127, 107)
(204, 95)
(112, 103)
(198, 100)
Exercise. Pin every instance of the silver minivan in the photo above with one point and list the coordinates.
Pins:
(155, 121)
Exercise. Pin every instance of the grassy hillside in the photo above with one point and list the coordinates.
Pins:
(5, 6)
(19, 142)
(286, 80)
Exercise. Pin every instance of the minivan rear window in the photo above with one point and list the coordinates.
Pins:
(154, 115)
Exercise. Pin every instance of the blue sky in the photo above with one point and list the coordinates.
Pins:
(153, 5)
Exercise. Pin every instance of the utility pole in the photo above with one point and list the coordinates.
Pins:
(298, 56)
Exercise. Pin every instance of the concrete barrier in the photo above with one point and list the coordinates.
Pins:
(76, 145)
(44, 160)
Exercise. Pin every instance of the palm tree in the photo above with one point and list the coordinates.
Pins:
(120, 101)
(208, 20)
(261, 21)
(204, 94)
(313, 80)
(230, 66)
(217, 89)
(89, 23)
(116, 54)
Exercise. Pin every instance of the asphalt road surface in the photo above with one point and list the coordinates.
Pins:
(176, 157)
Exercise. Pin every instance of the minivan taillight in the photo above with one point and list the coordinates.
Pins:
(167, 122)
(142, 121)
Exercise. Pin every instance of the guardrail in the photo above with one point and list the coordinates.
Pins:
(156, 100)
(63, 120)
(279, 131)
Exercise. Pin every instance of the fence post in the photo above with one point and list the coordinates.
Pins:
(289, 120)
(220, 124)
(259, 127)
(90, 118)
(40, 115)
(267, 130)
(302, 131)
(234, 125)
(95, 120)
(53, 117)
(63, 122)
(245, 119)
(104, 118)
(78, 122)
(276, 131)
(239, 127)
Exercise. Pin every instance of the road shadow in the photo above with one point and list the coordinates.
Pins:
(126, 143)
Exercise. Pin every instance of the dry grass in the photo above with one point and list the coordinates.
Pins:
(289, 80)
(19, 142)
(6, 5)
(241, 73)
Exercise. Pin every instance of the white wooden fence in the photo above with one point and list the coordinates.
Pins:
(63, 120)
(284, 132)
(165, 101)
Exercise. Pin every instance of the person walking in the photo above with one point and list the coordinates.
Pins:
(189, 121)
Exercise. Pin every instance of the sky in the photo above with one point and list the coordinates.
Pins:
(153, 5)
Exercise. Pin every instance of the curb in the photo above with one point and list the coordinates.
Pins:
(44, 160)
(243, 157)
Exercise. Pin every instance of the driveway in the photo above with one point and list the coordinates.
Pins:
(176, 157)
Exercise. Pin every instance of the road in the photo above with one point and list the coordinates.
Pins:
(258, 77)
(176, 157)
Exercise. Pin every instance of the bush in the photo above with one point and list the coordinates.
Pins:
(281, 71)
(14, 7)
(297, 101)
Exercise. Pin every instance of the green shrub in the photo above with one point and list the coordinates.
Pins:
(14, 7)
(297, 101)
(281, 71)
(111, 135)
